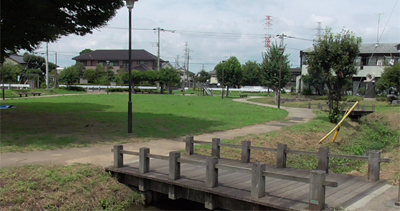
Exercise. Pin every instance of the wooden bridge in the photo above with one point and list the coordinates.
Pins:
(241, 185)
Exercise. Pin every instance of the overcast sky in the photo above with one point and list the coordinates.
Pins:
(217, 29)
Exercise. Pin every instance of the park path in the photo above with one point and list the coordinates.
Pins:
(101, 154)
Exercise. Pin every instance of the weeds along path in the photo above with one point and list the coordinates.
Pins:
(101, 155)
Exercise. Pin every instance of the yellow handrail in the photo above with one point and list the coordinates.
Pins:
(341, 121)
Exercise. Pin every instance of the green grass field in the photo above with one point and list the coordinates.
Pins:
(81, 120)
(14, 93)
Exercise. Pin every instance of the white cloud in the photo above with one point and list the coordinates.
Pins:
(226, 19)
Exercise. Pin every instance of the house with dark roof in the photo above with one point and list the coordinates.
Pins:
(371, 61)
(15, 59)
(141, 59)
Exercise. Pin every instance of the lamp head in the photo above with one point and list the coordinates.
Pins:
(130, 3)
(223, 61)
(281, 50)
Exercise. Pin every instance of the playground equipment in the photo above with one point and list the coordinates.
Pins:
(337, 127)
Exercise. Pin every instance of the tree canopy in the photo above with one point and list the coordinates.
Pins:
(232, 73)
(270, 69)
(251, 73)
(202, 76)
(30, 22)
(87, 50)
(37, 62)
(334, 56)
(70, 75)
(390, 77)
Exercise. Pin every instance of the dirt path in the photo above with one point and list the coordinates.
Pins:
(101, 155)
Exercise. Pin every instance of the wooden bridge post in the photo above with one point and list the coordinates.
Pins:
(216, 149)
(174, 165)
(319, 106)
(258, 180)
(281, 156)
(118, 156)
(374, 167)
(363, 107)
(144, 160)
(246, 153)
(323, 159)
(397, 203)
(189, 145)
(317, 190)
(309, 105)
(211, 172)
(373, 107)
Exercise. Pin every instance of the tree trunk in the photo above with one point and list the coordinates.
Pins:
(162, 88)
(227, 91)
(133, 87)
(276, 95)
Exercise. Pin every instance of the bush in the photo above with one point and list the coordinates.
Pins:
(74, 88)
(322, 98)
(306, 91)
(382, 99)
(118, 90)
(43, 86)
(361, 91)
(352, 99)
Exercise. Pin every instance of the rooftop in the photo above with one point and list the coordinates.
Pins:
(116, 55)
(371, 48)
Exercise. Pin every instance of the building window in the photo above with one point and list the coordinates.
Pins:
(84, 63)
(114, 63)
(364, 60)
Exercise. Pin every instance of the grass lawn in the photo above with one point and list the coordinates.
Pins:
(81, 120)
(377, 131)
(57, 187)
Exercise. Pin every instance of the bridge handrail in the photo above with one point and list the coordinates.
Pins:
(258, 173)
(374, 157)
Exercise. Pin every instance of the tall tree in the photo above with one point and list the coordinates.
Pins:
(271, 66)
(11, 72)
(232, 73)
(69, 75)
(202, 76)
(37, 62)
(87, 50)
(30, 22)
(390, 77)
(169, 76)
(334, 56)
(251, 73)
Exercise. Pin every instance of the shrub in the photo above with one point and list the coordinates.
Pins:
(361, 91)
(43, 86)
(306, 91)
(74, 88)
(352, 99)
(322, 98)
(119, 90)
(382, 99)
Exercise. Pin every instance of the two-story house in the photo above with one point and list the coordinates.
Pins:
(371, 61)
(141, 59)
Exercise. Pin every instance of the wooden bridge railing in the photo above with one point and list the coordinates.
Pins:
(374, 157)
(258, 173)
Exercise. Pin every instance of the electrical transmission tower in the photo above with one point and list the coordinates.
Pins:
(319, 34)
(268, 24)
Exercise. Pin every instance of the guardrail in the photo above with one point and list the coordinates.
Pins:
(17, 86)
(374, 157)
(317, 179)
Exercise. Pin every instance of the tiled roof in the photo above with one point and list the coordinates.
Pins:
(17, 58)
(116, 55)
(371, 48)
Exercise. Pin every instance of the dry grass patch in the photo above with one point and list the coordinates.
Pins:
(56, 187)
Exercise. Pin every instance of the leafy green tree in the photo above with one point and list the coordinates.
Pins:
(11, 71)
(270, 68)
(151, 76)
(232, 73)
(37, 62)
(334, 56)
(56, 18)
(169, 76)
(90, 75)
(87, 50)
(137, 77)
(69, 75)
(202, 76)
(251, 73)
(390, 77)
(315, 80)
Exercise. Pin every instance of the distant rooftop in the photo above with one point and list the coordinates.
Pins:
(371, 48)
(116, 55)
(17, 58)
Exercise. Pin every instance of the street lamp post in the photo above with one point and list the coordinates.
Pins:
(223, 85)
(281, 50)
(129, 5)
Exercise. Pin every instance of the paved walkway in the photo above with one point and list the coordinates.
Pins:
(381, 199)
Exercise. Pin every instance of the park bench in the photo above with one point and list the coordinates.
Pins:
(20, 94)
(36, 93)
(243, 96)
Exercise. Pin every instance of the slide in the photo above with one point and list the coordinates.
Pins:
(208, 91)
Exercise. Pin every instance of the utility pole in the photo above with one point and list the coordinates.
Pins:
(158, 29)
(47, 65)
(187, 72)
(186, 67)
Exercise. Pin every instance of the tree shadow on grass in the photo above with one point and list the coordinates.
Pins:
(43, 125)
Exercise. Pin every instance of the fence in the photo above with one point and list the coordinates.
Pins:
(317, 178)
(374, 157)
(343, 106)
